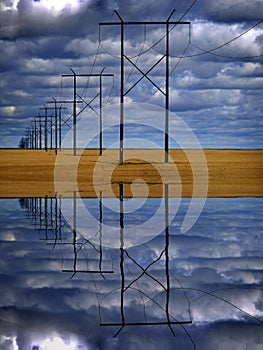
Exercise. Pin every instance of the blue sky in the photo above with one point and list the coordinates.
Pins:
(216, 73)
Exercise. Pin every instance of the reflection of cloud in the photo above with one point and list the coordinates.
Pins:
(218, 265)
(8, 236)
(8, 111)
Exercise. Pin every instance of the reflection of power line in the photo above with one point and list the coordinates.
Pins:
(168, 320)
(212, 293)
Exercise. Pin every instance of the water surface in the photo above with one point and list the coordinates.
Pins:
(201, 289)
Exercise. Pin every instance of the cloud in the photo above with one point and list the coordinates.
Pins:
(236, 11)
(23, 21)
(34, 57)
(8, 111)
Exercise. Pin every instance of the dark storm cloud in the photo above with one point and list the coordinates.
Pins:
(234, 11)
(30, 20)
(39, 44)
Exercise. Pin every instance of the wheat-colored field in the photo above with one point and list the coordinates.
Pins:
(36, 173)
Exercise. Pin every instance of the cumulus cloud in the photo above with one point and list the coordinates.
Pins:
(68, 37)
(8, 110)
(215, 278)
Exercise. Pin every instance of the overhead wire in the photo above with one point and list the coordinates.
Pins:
(163, 37)
(61, 87)
(111, 90)
(91, 71)
(221, 9)
(183, 55)
(142, 51)
(223, 56)
(187, 10)
(173, 69)
(222, 45)
(170, 29)
(208, 51)
(211, 51)
(137, 57)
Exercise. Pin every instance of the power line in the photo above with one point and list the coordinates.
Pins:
(149, 48)
(222, 45)
(91, 71)
(163, 37)
(138, 56)
(223, 56)
(176, 65)
(223, 9)
(157, 42)
(189, 8)
(211, 51)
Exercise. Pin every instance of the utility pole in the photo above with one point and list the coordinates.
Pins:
(40, 117)
(35, 134)
(60, 126)
(56, 125)
(57, 128)
(46, 127)
(74, 75)
(60, 119)
(40, 130)
(124, 58)
(31, 137)
(75, 95)
(27, 138)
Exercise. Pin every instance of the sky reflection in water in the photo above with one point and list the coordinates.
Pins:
(215, 280)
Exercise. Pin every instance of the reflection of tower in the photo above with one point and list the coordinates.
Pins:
(45, 214)
(80, 244)
(164, 313)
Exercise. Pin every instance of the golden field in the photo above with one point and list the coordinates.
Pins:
(31, 173)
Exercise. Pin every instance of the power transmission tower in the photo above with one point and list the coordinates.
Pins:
(34, 128)
(58, 126)
(40, 130)
(56, 123)
(28, 139)
(46, 126)
(75, 95)
(123, 57)
(31, 136)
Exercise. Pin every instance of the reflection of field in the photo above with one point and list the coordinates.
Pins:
(232, 173)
